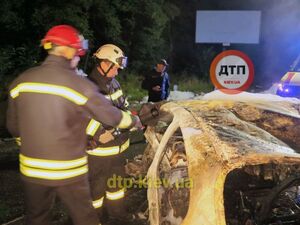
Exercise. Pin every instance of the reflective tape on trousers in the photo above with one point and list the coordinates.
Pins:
(53, 174)
(115, 195)
(98, 203)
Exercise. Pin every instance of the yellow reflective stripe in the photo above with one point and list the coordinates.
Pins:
(52, 164)
(115, 195)
(104, 151)
(116, 95)
(125, 146)
(18, 141)
(92, 127)
(125, 121)
(53, 175)
(52, 89)
(98, 203)
(126, 104)
(108, 151)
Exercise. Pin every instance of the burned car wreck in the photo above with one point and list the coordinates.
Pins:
(238, 160)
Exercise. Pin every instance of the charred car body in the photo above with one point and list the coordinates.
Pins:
(237, 161)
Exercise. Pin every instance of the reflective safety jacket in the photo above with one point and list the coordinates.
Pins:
(111, 88)
(49, 109)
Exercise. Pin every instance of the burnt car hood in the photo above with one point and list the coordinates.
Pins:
(219, 136)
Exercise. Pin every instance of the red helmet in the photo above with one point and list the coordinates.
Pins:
(65, 35)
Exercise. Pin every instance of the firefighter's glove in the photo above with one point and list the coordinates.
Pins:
(149, 113)
(138, 125)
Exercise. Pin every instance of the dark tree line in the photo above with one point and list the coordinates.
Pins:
(140, 27)
(147, 31)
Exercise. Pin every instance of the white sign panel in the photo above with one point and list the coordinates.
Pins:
(228, 26)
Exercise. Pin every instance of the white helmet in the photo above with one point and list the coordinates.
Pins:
(112, 53)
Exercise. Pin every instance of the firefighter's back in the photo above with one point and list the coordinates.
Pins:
(51, 120)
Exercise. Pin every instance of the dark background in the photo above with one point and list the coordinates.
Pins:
(147, 31)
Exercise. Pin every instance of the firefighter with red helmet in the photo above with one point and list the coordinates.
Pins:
(49, 109)
(106, 153)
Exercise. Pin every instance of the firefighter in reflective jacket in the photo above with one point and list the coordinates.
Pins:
(49, 109)
(108, 145)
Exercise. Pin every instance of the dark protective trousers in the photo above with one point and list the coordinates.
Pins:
(102, 170)
(75, 196)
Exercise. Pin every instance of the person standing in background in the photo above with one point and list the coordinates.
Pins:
(157, 82)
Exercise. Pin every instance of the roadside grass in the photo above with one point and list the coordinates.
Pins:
(193, 84)
(131, 85)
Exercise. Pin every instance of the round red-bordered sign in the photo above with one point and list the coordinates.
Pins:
(232, 72)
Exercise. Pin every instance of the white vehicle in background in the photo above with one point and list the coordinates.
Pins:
(289, 85)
